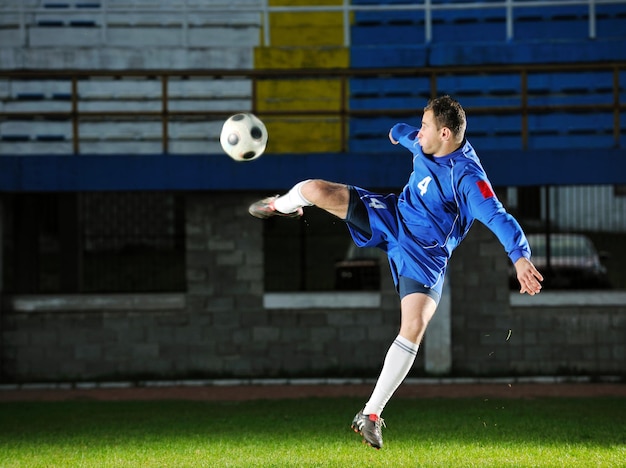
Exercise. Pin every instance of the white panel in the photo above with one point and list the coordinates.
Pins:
(66, 37)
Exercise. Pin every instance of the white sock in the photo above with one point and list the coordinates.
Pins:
(292, 200)
(398, 363)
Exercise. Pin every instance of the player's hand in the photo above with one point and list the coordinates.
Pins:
(394, 142)
(528, 276)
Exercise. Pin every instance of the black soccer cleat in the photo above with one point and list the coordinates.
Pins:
(369, 426)
(265, 209)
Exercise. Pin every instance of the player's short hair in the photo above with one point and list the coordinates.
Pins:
(448, 112)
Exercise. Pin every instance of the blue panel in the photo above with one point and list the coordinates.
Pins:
(554, 167)
(385, 2)
(388, 93)
(372, 146)
(380, 85)
(382, 103)
(389, 17)
(562, 142)
(379, 35)
(581, 81)
(570, 88)
(611, 28)
(472, 101)
(492, 124)
(527, 52)
(499, 84)
(564, 99)
(389, 56)
(550, 13)
(496, 143)
(483, 31)
(571, 122)
(378, 126)
(388, 168)
(567, 27)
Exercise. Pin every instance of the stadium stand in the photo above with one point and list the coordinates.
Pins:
(151, 34)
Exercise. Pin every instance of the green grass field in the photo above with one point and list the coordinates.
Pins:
(314, 432)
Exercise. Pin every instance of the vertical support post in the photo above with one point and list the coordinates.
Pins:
(616, 107)
(438, 342)
(428, 21)
(592, 19)
(433, 85)
(346, 23)
(524, 97)
(266, 24)
(509, 20)
(164, 115)
(75, 127)
(344, 121)
(548, 228)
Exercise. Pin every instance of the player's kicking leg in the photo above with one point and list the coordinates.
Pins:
(328, 196)
(266, 208)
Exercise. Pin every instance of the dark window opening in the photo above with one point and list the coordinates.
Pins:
(94, 242)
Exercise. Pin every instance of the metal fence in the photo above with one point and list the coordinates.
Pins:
(523, 105)
(105, 14)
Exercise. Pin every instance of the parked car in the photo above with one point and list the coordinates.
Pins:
(360, 269)
(574, 262)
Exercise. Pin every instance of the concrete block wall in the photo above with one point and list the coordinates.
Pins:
(493, 336)
(220, 327)
(481, 314)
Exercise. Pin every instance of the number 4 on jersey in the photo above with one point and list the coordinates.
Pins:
(377, 204)
(423, 185)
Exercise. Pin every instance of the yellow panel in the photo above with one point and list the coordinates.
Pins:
(303, 135)
(306, 28)
(295, 36)
(307, 19)
(302, 40)
(305, 2)
(305, 94)
(301, 57)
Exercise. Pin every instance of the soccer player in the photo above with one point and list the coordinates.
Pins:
(447, 190)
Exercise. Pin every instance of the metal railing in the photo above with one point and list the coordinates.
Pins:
(342, 110)
(182, 14)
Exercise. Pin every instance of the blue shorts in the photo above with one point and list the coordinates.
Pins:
(373, 221)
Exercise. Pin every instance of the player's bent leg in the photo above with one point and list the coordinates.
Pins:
(330, 196)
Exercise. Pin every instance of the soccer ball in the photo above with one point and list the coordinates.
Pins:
(243, 137)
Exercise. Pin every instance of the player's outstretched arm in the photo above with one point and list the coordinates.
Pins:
(528, 276)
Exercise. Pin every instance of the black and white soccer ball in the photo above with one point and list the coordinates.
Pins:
(243, 137)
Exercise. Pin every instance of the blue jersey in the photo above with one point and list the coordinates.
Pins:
(434, 212)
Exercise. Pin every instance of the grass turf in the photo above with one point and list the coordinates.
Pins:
(314, 432)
